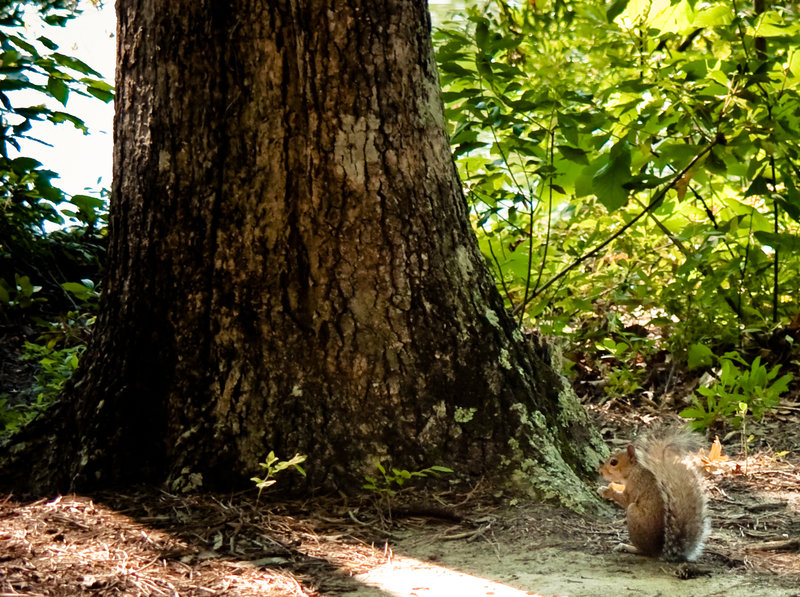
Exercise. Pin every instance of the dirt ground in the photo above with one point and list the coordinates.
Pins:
(148, 542)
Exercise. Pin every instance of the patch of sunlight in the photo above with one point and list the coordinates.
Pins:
(406, 577)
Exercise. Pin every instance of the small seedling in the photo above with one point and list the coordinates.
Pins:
(391, 481)
(273, 465)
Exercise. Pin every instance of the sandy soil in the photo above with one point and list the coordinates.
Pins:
(147, 542)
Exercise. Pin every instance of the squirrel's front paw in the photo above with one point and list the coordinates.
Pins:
(626, 548)
(612, 491)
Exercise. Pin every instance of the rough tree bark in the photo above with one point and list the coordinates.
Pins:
(292, 268)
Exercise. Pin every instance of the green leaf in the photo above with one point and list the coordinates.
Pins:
(24, 285)
(759, 186)
(715, 163)
(714, 16)
(692, 412)
(700, 356)
(87, 203)
(583, 183)
(466, 147)
(9, 60)
(608, 182)
(568, 128)
(23, 164)
(21, 43)
(781, 384)
(615, 9)
(101, 94)
(58, 117)
(779, 240)
(7, 84)
(48, 43)
(33, 112)
(80, 291)
(482, 35)
(58, 89)
(75, 64)
(484, 65)
(772, 24)
(574, 154)
(789, 200)
(454, 68)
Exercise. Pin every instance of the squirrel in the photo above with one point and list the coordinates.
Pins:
(663, 495)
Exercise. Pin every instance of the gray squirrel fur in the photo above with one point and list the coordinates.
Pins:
(663, 452)
(663, 495)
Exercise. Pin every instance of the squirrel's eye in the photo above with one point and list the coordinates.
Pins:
(613, 462)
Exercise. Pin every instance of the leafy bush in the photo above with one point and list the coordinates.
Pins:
(56, 366)
(392, 480)
(637, 155)
(36, 81)
(51, 244)
(740, 389)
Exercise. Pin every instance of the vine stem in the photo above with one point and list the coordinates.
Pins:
(776, 228)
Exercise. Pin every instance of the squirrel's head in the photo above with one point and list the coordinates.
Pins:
(615, 469)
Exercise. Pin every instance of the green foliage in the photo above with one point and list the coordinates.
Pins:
(70, 329)
(623, 382)
(625, 371)
(56, 366)
(391, 481)
(273, 465)
(700, 355)
(21, 295)
(636, 155)
(85, 291)
(54, 12)
(36, 81)
(741, 388)
(51, 244)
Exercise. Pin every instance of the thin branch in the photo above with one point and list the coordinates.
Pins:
(499, 271)
(776, 262)
(650, 207)
(549, 211)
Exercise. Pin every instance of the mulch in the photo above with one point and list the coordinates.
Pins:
(153, 543)
(148, 542)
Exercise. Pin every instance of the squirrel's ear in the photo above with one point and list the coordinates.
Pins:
(631, 452)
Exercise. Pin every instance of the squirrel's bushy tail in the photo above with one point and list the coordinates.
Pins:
(686, 525)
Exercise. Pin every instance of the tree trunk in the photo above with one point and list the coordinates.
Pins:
(292, 267)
